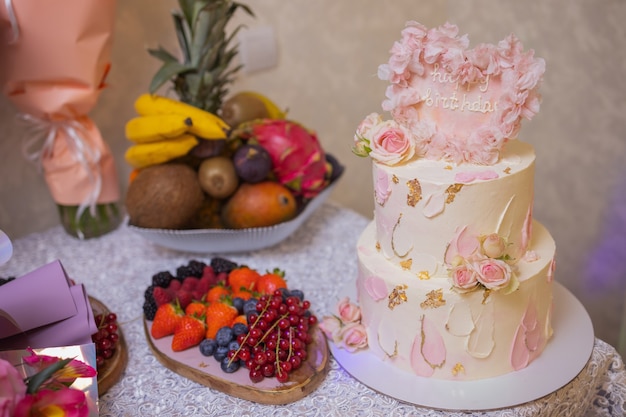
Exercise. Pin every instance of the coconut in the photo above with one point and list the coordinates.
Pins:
(165, 196)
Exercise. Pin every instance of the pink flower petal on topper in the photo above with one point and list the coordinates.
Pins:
(428, 352)
(376, 288)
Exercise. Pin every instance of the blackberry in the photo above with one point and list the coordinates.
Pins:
(222, 265)
(147, 295)
(149, 309)
(192, 269)
(162, 279)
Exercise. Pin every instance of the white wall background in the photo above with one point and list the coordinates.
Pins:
(326, 74)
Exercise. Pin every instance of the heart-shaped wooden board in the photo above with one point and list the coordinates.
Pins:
(205, 370)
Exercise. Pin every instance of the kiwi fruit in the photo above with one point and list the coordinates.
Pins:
(217, 177)
(164, 196)
(242, 108)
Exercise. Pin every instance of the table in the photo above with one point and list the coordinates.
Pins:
(318, 258)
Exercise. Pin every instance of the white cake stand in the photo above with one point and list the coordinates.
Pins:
(564, 357)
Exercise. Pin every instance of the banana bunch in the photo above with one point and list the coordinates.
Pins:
(167, 129)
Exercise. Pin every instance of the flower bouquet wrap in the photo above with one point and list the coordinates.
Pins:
(56, 58)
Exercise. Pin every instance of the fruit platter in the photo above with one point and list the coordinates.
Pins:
(237, 330)
(213, 170)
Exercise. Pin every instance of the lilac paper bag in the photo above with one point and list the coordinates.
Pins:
(44, 308)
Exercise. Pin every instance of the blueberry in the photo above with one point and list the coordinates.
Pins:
(234, 345)
(298, 294)
(239, 328)
(238, 303)
(208, 346)
(220, 353)
(250, 306)
(228, 366)
(285, 293)
(224, 336)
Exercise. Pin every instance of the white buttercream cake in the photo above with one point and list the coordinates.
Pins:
(454, 274)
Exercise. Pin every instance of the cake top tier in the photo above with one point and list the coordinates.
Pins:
(448, 101)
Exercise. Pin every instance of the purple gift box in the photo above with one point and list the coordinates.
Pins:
(44, 308)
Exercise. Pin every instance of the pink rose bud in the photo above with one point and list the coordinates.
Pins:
(348, 312)
(354, 337)
(331, 325)
(493, 246)
(493, 273)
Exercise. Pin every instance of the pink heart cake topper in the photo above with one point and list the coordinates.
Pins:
(450, 102)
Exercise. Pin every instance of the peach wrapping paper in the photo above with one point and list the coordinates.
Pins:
(56, 58)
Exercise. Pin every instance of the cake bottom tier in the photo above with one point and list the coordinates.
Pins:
(427, 328)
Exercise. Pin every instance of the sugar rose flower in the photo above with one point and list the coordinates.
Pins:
(494, 274)
(348, 312)
(12, 388)
(391, 143)
(354, 337)
(331, 325)
(64, 402)
(493, 245)
(464, 278)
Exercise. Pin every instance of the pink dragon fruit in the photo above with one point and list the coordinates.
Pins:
(298, 160)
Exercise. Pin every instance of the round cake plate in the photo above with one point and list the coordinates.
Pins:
(564, 357)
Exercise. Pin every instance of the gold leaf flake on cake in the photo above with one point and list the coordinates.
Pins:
(434, 299)
(395, 349)
(458, 368)
(378, 246)
(486, 295)
(507, 170)
(423, 275)
(406, 265)
(448, 167)
(394, 179)
(397, 296)
(452, 191)
(415, 192)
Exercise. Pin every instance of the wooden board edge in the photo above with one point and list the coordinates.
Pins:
(286, 394)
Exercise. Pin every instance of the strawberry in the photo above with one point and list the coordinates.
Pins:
(161, 296)
(243, 277)
(271, 281)
(218, 315)
(196, 307)
(189, 333)
(166, 319)
(241, 319)
(243, 294)
(217, 293)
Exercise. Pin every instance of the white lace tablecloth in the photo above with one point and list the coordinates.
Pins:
(318, 259)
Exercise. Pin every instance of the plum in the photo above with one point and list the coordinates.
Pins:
(252, 163)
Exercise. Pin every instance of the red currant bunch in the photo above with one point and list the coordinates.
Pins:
(106, 338)
(276, 342)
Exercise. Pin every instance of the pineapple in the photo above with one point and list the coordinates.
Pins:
(202, 78)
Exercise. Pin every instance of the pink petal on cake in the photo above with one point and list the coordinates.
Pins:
(534, 339)
(463, 244)
(467, 177)
(376, 288)
(520, 356)
(434, 205)
(418, 363)
(529, 321)
(433, 346)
